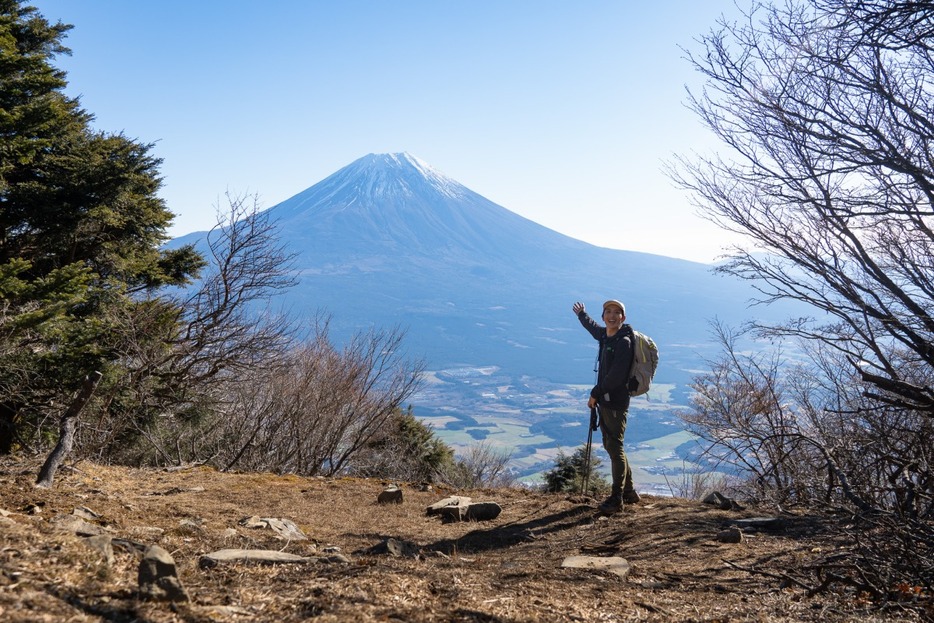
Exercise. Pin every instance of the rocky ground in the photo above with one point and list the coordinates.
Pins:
(364, 561)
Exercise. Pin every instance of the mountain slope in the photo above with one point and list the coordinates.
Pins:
(507, 569)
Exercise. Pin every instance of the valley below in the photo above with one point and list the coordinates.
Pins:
(536, 421)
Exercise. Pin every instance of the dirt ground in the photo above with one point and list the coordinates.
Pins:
(506, 569)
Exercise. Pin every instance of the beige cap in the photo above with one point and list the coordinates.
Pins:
(616, 303)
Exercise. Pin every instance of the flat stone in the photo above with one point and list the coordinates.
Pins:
(264, 556)
(252, 522)
(760, 523)
(76, 525)
(284, 528)
(438, 507)
(612, 564)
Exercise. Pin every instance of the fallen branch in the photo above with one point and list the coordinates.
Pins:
(778, 576)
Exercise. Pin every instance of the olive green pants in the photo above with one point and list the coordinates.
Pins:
(613, 428)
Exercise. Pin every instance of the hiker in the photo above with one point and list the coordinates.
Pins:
(611, 395)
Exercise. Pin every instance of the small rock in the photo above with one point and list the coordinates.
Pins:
(477, 511)
(103, 544)
(85, 513)
(483, 511)
(452, 513)
(730, 535)
(191, 525)
(721, 501)
(401, 549)
(390, 495)
(158, 577)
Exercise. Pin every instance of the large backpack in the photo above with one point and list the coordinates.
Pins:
(644, 363)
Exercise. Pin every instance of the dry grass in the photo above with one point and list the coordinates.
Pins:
(504, 570)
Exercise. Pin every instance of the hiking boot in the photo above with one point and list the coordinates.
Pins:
(631, 497)
(612, 504)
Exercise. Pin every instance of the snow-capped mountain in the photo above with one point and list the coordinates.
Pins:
(402, 204)
(389, 240)
(485, 296)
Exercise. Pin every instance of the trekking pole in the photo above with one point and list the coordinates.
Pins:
(592, 426)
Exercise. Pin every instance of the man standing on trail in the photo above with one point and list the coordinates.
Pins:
(611, 394)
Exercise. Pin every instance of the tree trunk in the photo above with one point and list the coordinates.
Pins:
(67, 427)
(7, 428)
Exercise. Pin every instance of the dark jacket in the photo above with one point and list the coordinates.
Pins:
(614, 363)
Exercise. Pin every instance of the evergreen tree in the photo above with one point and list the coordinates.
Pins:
(569, 473)
(80, 231)
(409, 450)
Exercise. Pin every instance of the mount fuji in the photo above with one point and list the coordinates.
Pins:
(485, 296)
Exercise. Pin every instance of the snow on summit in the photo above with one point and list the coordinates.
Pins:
(385, 172)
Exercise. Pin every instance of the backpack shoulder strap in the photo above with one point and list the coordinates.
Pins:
(631, 334)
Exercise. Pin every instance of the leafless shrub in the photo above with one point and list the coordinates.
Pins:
(741, 409)
(825, 109)
(321, 409)
(827, 449)
(481, 466)
(695, 483)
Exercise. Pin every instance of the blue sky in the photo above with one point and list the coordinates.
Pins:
(563, 112)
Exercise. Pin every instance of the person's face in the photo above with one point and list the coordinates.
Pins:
(613, 316)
